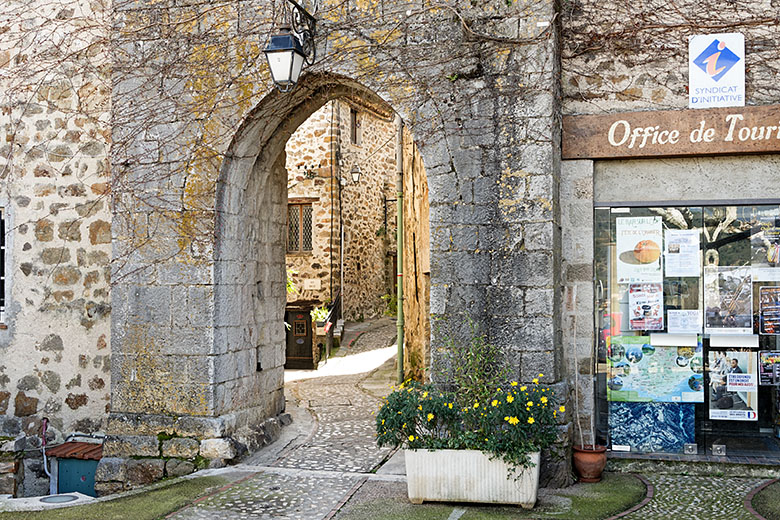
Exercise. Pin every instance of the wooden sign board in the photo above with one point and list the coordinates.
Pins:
(672, 133)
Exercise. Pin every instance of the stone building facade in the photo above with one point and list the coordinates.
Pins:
(321, 154)
(55, 194)
(179, 143)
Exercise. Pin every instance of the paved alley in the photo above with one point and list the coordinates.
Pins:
(310, 475)
(327, 465)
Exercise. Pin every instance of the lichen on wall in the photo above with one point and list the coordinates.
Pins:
(55, 180)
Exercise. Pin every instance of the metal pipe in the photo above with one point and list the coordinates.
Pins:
(52, 480)
(399, 186)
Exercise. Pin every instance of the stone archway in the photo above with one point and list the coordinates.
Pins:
(249, 264)
(201, 358)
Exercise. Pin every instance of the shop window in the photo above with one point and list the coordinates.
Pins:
(355, 134)
(688, 321)
(299, 228)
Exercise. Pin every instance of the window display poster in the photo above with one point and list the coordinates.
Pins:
(769, 368)
(769, 310)
(728, 300)
(733, 385)
(638, 241)
(765, 249)
(681, 253)
(683, 321)
(641, 372)
(646, 306)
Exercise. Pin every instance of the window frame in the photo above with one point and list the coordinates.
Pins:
(300, 204)
(355, 133)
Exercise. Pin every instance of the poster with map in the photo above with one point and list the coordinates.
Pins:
(641, 372)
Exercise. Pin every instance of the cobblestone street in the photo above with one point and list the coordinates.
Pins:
(309, 477)
(687, 497)
(327, 467)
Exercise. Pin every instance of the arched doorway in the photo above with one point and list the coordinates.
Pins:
(252, 239)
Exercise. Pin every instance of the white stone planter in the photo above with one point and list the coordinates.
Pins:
(468, 476)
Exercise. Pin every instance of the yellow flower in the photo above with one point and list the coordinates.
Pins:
(419, 407)
(425, 394)
(509, 398)
(543, 400)
(514, 383)
(506, 418)
(383, 421)
(494, 403)
(430, 416)
(562, 408)
(450, 406)
(513, 420)
(531, 420)
(476, 405)
(529, 403)
(534, 381)
(411, 437)
(522, 388)
(541, 375)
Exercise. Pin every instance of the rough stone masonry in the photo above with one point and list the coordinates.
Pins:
(145, 191)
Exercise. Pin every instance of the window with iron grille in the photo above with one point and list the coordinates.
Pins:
(299, 228)
(355, 136)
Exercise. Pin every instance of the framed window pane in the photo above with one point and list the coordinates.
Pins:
(293, 227)
(306, 228)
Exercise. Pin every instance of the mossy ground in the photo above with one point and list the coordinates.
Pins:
(614, 494)
(767, 502)
(151, 505)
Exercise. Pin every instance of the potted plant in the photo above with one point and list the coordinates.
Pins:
(589, 459)
(318, 316)
(475, 440)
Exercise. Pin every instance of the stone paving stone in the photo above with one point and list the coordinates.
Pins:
(342, 443)
(271, 495)
(679, 497)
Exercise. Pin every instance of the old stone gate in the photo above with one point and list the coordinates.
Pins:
(192, 185)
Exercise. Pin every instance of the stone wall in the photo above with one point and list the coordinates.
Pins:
(367, 238)
(416, 265)
(358, 208)
(54, 180)
(628, 56)
(310, 153)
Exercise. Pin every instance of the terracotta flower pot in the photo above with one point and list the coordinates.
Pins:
(589, 462)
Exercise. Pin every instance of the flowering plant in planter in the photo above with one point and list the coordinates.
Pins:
(508, 422)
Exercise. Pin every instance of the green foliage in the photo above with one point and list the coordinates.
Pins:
(480, 411)
(319, 313)
(476, 367)
(291, 288)
(509, 424)
(391, 304)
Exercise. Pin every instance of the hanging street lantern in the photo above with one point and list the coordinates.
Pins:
(293, 48)
(355, 172)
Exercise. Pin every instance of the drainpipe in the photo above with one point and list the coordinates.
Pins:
(399, 186)
(52, 479)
